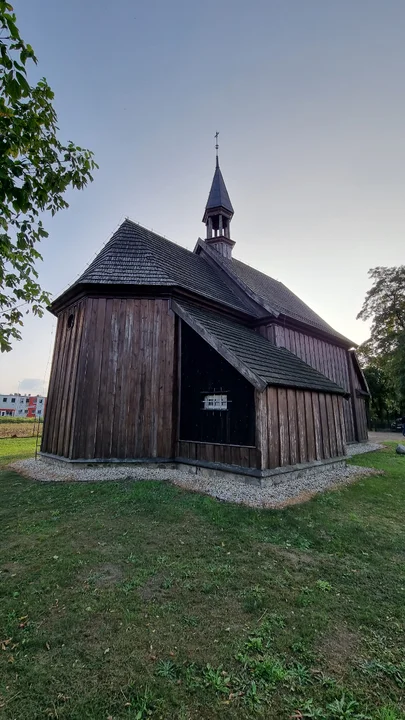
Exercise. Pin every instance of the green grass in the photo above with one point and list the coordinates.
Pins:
(139, 600)
(16, 448)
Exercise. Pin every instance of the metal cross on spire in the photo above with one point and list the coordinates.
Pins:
(216, 143)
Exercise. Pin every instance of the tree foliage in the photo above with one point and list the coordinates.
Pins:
(383, 354)
(36, 169)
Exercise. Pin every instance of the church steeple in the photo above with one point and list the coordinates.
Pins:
(218, 213)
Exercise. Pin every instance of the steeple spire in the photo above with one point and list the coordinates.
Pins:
(218, 212)
(217, 146)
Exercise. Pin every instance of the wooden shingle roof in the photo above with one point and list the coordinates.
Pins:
(272, 294)
(137, 256)
(261, 362)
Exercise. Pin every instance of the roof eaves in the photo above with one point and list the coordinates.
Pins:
(224, 351)
(359, 371)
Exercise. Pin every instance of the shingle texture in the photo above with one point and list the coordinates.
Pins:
(218, 196)
(278, 296)
(272, 365)
(137, 256)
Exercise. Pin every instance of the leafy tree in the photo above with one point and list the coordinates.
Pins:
(36, 169)
(384, 400)
(384, 304)
(383, 354)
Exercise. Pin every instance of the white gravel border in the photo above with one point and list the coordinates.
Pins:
(228, 489)
(360, 448)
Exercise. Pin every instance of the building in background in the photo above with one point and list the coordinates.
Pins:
(17, 405)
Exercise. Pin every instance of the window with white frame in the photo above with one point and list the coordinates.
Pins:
(216, 402)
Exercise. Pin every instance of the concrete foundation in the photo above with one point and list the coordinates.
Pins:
(251, 476)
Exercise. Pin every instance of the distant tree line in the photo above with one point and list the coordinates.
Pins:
(383, 354)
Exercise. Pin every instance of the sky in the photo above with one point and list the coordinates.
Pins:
(308, 98)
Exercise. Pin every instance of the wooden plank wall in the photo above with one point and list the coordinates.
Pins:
(359, 406)
(329, 359)
(60, 405)
(299, 426)
(243, 456)
(123, 395)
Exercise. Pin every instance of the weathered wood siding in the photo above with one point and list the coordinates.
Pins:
(114, 373)
(360, 411)
(241, 455)
(331, 360)
(62, 392)
(297, 426)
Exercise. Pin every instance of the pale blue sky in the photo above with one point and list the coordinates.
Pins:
(308, 98)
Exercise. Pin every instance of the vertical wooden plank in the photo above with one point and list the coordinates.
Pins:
(72, 380)
(176, 409)
(273, 428)
(77, 439)
(336, 365)
(104, 400)
(184, 451)
(348, 415)
(227, 450)
(65, 384)
(330, 362)
(309, 423)
(118, 360)
(93, 372)
(302, 430)
(59, 384)
(356, 432)
(236, 456)
(88, 411)
(318, 437)
(141, 387)
(147, 419)
(155, 395)
(315, 351)
(169, 370)
(244, 457)
(218, 453)
(341, 404)
(168, 382)
(336, 415)
(283, 423)
(292, 426)
(293, 342)
(132, 370)
(331, 424)
(46, 444)
(210, 452)
(123, 411)
(325, 426)
(302, 347)
(280, 336)
(307, 351)
(261, 427)
(271, 334)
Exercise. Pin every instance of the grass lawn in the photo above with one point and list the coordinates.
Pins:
(140, 600)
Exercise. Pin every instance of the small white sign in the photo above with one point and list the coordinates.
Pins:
(216, 402)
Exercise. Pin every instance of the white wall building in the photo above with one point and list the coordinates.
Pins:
(17, 405)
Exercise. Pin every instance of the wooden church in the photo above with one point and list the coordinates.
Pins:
(167, 355)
